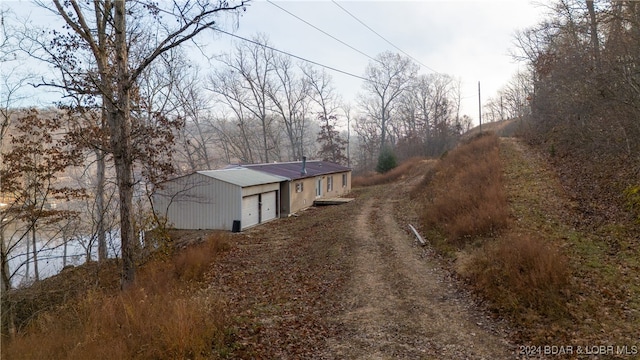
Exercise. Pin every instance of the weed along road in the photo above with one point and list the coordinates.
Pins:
(350, 282)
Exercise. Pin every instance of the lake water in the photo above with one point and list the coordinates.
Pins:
(51, 257)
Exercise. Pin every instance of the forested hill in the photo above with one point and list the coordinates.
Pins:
(585, 107)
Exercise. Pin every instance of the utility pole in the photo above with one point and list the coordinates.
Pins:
(348, 142)
(479, 107)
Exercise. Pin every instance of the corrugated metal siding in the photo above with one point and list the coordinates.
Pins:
(200, 202)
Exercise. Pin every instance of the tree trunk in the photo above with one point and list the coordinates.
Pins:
(593, 27)
(122, 157)
(64, 252)
(120, 124)
(100, 207)
(8, 318)
(383, 126)
(264, 138)
(5, 279)
(28, 255)
(34, 241)
(8, 315)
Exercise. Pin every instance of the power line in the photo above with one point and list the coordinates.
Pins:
(289, 54)
(382, 37)
(292, 55)
(322, 31)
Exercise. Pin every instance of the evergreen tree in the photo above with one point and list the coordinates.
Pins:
(386, 160)
(332, 145)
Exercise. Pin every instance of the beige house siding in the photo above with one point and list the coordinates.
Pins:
(260, 189)
(337, 187)
(302, 199)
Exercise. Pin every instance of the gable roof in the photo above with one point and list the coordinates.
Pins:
(293, 170)
(243, 177)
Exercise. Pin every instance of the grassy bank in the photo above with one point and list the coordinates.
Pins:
(164, 315)
(498, 211)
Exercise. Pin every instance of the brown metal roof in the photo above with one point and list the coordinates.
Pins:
(293, 170)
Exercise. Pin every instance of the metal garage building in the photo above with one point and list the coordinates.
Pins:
(215, 199)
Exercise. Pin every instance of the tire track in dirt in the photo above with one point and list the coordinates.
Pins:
(402, 305)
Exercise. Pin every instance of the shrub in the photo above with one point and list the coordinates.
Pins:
(409, 167)
(386, 160)
(465, 197)
(521, 274)
(162, 316)
(632, 195)
(127, 325)
(191, 263)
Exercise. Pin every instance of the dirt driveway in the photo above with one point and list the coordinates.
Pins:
(401, 303)
(350, 282)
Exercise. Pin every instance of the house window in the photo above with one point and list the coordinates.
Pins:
(344, 180)
(329, 183)
(299, 187)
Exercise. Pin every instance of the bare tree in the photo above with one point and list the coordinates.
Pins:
(428, 116)
(593, 32)
(512, 100)
(368, 149)
(198, 135)
(239, 139)
(346, 109)
(332, 145)
(387, 79)
(100, 28)
(290, 94)
(12, 85)
(244, 85)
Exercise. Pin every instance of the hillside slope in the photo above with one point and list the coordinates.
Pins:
(600, 304)
(350, 282)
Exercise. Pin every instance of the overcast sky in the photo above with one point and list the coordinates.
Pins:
(469, 40)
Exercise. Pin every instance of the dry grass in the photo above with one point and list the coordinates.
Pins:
(554, 280)
(524, 277)
(464, 196)
(163, 316)
(405, 168)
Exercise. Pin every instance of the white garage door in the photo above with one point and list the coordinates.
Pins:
(250, 211)
(268, 206)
